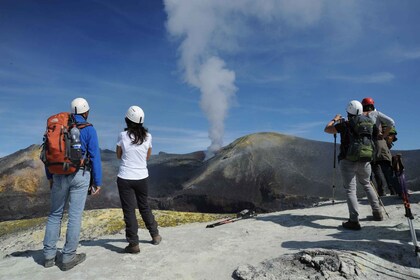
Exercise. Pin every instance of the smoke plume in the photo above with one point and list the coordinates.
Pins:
(195, 22)
(209, 29)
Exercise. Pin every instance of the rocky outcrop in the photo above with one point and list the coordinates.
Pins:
(308, 264)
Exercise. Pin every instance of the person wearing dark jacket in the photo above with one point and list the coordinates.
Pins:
(383, 155)
(387, 167)
(382, 167)
(353, 172)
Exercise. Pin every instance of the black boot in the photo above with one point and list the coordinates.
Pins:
(352, 225)
(79, 258)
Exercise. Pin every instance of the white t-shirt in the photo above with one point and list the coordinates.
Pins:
(133, 161)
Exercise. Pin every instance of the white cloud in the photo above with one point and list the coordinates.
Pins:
(267, 79)
(177, 130)
(400, 53)
(283, 110)
(303, 129)
(179, 140)
(377, 78)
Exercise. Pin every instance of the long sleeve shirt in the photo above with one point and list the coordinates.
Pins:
(90, 143)
(380, 118)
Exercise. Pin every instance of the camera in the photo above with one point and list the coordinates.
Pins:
(92, 189)
(341, 120)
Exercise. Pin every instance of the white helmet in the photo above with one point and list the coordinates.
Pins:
(354, 108)
(79, 106)
(135, 114)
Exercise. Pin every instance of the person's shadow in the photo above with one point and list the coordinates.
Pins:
(36, 255)
(390, 242)
(105, 243)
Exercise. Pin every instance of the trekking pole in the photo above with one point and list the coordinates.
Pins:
(227, 221)
(333, 177)
(379, 198)
(244, 214)
(404, 192)
(410, 219)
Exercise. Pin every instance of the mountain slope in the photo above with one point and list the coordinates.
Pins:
(269, 171)
(263, 171)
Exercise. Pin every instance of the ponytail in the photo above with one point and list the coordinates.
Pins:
(136, 131)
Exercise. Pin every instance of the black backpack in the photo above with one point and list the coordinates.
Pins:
(361, 146)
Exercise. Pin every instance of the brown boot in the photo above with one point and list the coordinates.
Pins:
(377, 215)
(132, 248)
(156, 239)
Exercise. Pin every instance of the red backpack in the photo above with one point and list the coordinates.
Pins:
(61, 149)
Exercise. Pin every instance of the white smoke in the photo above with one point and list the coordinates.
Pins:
(217, 87)
(196, 22)
(209, 28)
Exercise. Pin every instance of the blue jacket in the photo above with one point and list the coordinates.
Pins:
(89, 140)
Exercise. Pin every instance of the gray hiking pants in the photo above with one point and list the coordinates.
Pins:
(360, 171)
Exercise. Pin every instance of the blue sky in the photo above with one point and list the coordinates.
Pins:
(228, 67)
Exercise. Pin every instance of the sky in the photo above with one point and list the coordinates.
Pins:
(207, 72)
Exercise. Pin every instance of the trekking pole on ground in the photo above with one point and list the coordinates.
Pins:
(404, 192)
(333, 177)
(244, 214)
(410, 219)
(379, 198)
(226, 221)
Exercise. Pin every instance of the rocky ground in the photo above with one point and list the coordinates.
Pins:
(293, 244)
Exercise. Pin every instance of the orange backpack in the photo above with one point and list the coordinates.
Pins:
(61, 148)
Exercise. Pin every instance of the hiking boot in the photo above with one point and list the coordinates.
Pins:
(392, 191)
(352, 225)
(156, 239)
(378, 216)
(132, 248)
(49, 262)
(79, 258)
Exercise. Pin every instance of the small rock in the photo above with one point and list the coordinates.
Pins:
(244, 272)
(318, 260)
(306, 258)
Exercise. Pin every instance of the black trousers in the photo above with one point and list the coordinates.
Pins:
(383, 174)
(380, 179)
(134, 193)
(386, 168)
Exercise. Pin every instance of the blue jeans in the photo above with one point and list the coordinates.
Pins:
(72, 188)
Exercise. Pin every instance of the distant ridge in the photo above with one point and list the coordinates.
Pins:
(264, 171)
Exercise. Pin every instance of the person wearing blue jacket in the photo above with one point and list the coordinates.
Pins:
(74, 189)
